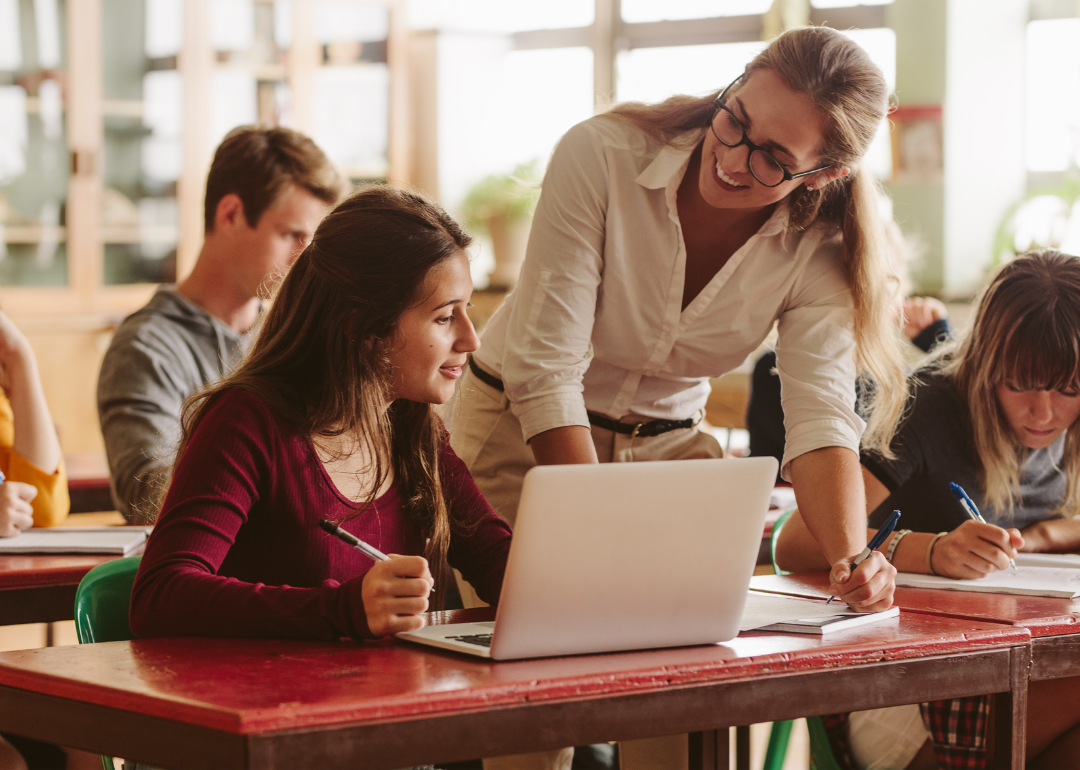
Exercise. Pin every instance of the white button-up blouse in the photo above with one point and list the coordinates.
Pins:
(596, 322)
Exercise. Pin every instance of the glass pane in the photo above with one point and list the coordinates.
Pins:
(654, 74)
(351, 120)
(1052, 110)
(500, 15)
(33, 143)
(143, 98)
(651, 10)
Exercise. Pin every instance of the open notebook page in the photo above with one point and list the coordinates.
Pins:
(1026, 580)
(106, 540)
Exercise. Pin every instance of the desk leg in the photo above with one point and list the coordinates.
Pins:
(709, 750)
(1010, 714)
(742, 747)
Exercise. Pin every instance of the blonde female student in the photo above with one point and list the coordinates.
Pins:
(667, 241)
(994, 412)
(330, 417)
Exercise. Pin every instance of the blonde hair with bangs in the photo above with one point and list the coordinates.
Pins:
(850, 91)
(1026, 331)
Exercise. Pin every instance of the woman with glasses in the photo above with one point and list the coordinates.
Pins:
(667, 241)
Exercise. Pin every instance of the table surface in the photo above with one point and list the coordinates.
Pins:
(248, 686)
(1041, 615)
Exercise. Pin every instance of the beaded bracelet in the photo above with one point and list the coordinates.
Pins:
(930, 552)
(895, 542)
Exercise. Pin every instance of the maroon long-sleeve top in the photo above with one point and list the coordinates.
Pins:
(237, 550)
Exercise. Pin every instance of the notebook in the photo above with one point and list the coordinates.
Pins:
(1059, 582)
(121, 541)
(624, 556)
(788, 614)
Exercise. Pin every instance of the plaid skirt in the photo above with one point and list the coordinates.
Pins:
(957, 728)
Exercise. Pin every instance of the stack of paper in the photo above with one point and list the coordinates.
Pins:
(788, 614)
(105, 540)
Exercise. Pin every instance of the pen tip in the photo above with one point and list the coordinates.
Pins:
(328, 525)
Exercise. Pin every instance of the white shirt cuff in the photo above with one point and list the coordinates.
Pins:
(818, 434)
(548, 412)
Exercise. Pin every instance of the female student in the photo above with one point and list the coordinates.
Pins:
(993, 412)
(667, 241)
(331, 417)
(34, 493)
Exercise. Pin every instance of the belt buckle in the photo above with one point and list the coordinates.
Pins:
(634, 432)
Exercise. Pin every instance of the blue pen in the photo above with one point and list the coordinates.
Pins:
(875, 543)
(972, 510)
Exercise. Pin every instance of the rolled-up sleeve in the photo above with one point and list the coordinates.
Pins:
(816, 361)
(548, 346)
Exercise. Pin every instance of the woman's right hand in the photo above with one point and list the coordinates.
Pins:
(15, 511)
(395, 594)
(975, 549)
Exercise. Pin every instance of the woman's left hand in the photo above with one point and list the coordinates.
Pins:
(869, 588)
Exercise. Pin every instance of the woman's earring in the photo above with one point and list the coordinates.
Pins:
(810, 187)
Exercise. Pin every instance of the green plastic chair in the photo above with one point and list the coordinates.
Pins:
(821, 755)
(101, 607)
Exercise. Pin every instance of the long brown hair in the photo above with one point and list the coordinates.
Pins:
(1026, 330)
(850, 91)
(319, 361)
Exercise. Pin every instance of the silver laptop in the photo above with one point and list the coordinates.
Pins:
(624, 556)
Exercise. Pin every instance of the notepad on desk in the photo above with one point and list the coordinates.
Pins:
(1030, 578)
(792, 615)
(120, 541)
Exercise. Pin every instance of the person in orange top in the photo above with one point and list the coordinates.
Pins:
(35, 493)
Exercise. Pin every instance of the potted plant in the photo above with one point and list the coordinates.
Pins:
(501, 205)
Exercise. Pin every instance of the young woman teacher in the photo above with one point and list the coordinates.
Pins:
(667, 241)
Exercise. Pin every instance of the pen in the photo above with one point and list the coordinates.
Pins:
(370, 551)
(874, 544)
(972, 510)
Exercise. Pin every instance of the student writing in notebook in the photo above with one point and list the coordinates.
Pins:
(995, 412)
(331, 417)
(35, 491)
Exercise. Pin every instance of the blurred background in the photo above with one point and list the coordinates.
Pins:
(110, 111)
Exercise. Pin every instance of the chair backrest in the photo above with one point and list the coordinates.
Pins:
(779, 525)
(102, 601)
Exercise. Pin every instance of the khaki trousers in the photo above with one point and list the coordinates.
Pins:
(486, 435)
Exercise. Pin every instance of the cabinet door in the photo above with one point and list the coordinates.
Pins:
(34, 157)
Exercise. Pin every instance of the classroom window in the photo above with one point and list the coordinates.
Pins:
(1052, 111)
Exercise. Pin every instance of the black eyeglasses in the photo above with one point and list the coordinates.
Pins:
(730, 132)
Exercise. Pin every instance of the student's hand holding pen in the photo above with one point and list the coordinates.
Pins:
(395, 594)
(867, 588)
(975, 549)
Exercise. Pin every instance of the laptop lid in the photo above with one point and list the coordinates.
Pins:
(625, 556)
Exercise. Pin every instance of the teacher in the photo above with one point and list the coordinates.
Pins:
(667, 241)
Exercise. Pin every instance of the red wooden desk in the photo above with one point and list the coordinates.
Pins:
(40, 588)
(1054, 623)
(261, 703)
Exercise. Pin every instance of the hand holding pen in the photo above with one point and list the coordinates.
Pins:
(875, 542)
(394, 591)
(976, 547)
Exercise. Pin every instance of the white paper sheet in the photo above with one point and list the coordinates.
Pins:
(1027, 581)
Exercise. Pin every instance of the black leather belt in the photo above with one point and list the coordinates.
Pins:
(634, 430)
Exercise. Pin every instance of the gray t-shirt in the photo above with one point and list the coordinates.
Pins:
(935, 446)
(160, 355)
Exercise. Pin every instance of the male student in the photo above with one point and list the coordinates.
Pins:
(267, 190)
